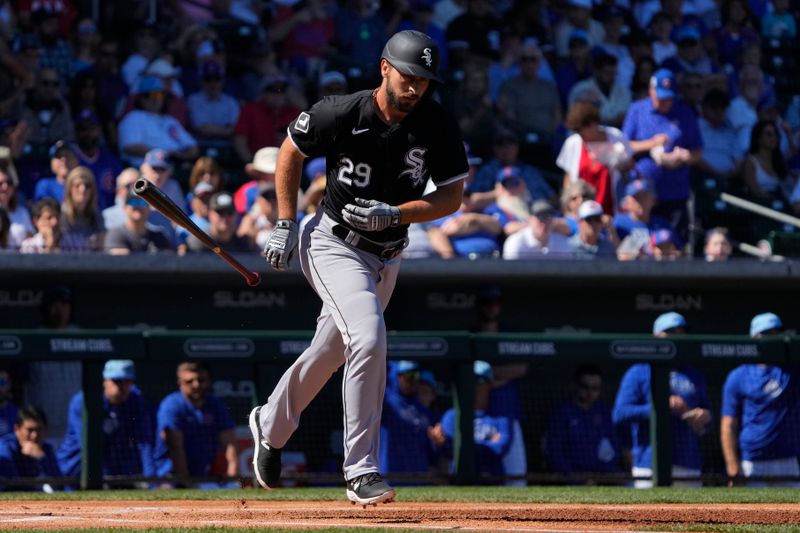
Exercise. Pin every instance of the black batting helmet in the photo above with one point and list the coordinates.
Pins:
(414, 53)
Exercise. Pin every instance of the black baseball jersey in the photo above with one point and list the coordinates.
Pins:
(367, 158)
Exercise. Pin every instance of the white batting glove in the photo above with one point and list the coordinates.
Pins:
(371, 215)
(282, 245)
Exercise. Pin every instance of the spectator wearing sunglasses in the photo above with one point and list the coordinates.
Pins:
(136, 235)
(591, 242)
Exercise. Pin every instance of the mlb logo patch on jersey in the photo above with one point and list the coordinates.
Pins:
(301, 124)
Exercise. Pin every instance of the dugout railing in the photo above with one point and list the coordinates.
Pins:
(455, 349)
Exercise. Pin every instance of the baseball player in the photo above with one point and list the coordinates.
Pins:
(380, 146)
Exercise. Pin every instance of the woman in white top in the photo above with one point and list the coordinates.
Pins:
(765, 170)
(20, 226)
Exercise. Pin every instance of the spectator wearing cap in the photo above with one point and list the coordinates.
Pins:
(527, 104)
(691, 56)
(145, 49)
(506, 149)
(136, 235)
(331, 82)
(475, 31)
(590, 242)
(257, 224)
(718, 246)
(263, 122)
(46, 112)
(595, 154)
(665, 245)
(618, 24)
(492, 434)
(779, 23)
(62, 161)
(536, 240)
(223, 223)
(212, 113)
(114, 216)
(614, 97)
(666, 128)
(91, 154)
(316, 173)
(576, 67)
(198, 212)
(174, 104)
(261, 169)
(147, 127)
(405, 423)
(26, 454)
(128, 434)
(578, 16)
(580, 436)
(19, 222)
(689, 408)
(46, 218)
(56, 52)
(636, 219)
(721, 155)
(302, 34)
(85, 39)
(760, 417)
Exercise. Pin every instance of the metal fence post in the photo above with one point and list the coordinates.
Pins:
(660, 425)
(92, 426)
(463, 440)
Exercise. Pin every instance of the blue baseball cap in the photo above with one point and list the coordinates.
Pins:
(149, 84)
(405, 366)
(509, 173)
(764, 322)
(687, 33)
(663, 236)
(637, 186)
(663, 81)
(668, 321)
(426, 376)
(578, 35)
(483, 371)
(157, 158)
(119, 369)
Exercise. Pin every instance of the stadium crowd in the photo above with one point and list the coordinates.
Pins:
(593, 128)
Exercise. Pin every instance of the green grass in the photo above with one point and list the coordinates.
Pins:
(597, 495)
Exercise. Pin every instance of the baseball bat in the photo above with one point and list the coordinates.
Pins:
(164, 205)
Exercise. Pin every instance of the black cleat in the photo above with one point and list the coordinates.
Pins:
(266, 460)
(369, 489)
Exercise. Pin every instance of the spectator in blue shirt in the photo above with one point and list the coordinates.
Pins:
(581, 436)
(492, 434)
(405, 423)
(25, 454)
(104, 165)
(667, 167)
(636, 213)
(688, 403)
(127, 426)
(193, 426)
(760, 426)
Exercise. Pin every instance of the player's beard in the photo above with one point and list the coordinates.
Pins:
(394, 101)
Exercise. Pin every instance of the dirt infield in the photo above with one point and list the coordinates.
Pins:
(531, 517)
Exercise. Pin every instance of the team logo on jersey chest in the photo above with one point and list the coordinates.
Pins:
(416, 171)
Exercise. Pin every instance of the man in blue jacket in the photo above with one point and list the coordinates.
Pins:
(688, 403)
(760, 427)
(25, 454)
(127, 426)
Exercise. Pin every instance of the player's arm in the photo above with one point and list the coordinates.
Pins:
(729, 437)
(287, 179)
(174, 441)
(436, 204)
(227, 439)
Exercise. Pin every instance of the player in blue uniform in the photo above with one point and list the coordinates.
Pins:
(127, 426)
(760, 426)
(689, 405)
(193, 426)
(492, 434)
(405, 423)
(581, 436)
(25, 454)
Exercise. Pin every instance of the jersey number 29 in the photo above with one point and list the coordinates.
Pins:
(362, 173)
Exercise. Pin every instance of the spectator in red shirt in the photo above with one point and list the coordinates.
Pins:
(263, 122)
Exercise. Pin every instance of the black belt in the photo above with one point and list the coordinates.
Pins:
(385, 251)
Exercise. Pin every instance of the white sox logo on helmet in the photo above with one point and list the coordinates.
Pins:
(427, 56)
(415, 159)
